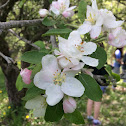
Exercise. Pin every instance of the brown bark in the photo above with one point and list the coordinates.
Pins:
(11, 71)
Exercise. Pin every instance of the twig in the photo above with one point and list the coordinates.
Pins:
(21, 23)
(8, 59)
(23, 39)
(4, 5)
(53, 41)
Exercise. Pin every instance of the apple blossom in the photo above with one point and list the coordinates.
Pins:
(93, 22)
(26, 74)
(38, 104)
(43, 12)
(109, 20)
(117, 37)
(69, 105)
(62, 7)
(57, 83)
(73, 50)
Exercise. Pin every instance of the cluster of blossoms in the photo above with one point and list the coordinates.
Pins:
(59, 7)
(100, 21)
(57, 76)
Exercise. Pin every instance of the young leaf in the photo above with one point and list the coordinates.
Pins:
(101, 55)
(40, 44)
(57, 32)
(36, 69)
(32, 93)
(82, 10)
(33, 57)
(116, 76)
(92, 89)
(48, 22)
(54, 113)
(19, 83)
(108, 69)
(75, 117)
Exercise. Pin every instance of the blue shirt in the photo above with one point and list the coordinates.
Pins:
(117, 56)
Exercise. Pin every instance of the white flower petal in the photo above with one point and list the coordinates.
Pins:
(43, 79)
(54, 94)
(99, 20)
(64, 62)
(67, 3)
(74, 38)
(39, 112)
(90, 61)
(70, 8)
(54, 10)
(109, 23)
(72, 87)
(85, 28)
(89, 48)
(90, 11)
(49, 63)
(94, 5)
(70, 72)
(95, 32)
(74, 61)
(35, 102)
(79, 66)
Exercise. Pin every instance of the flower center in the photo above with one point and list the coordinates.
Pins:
(91, 19)
(62, 7)
(58, 78)
(79, 47)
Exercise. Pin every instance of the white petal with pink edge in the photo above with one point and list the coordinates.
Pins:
(43, 79)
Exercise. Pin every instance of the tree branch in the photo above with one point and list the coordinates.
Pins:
(23, 39)
(4, 5)
(8, 59)
(21, 23)
(53, 41)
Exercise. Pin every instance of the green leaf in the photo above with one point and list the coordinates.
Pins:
(108, 69)
(92, 89)
(100, 54)
(21, 3)
(33, 57)
(19, 83)
(40, 44)
(116, 76)
(54, 113)
(82, 10)
(75, 117)
(36, 69)
(50, 1)
(48, 22)
(57, 32)
(32, 93)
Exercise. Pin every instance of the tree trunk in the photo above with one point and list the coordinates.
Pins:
(11, 71)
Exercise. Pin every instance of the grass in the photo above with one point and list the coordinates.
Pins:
(112, 111)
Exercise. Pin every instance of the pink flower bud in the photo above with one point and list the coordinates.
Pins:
(26, 74)
(67, 14)
(69, 105)
(43, 12)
